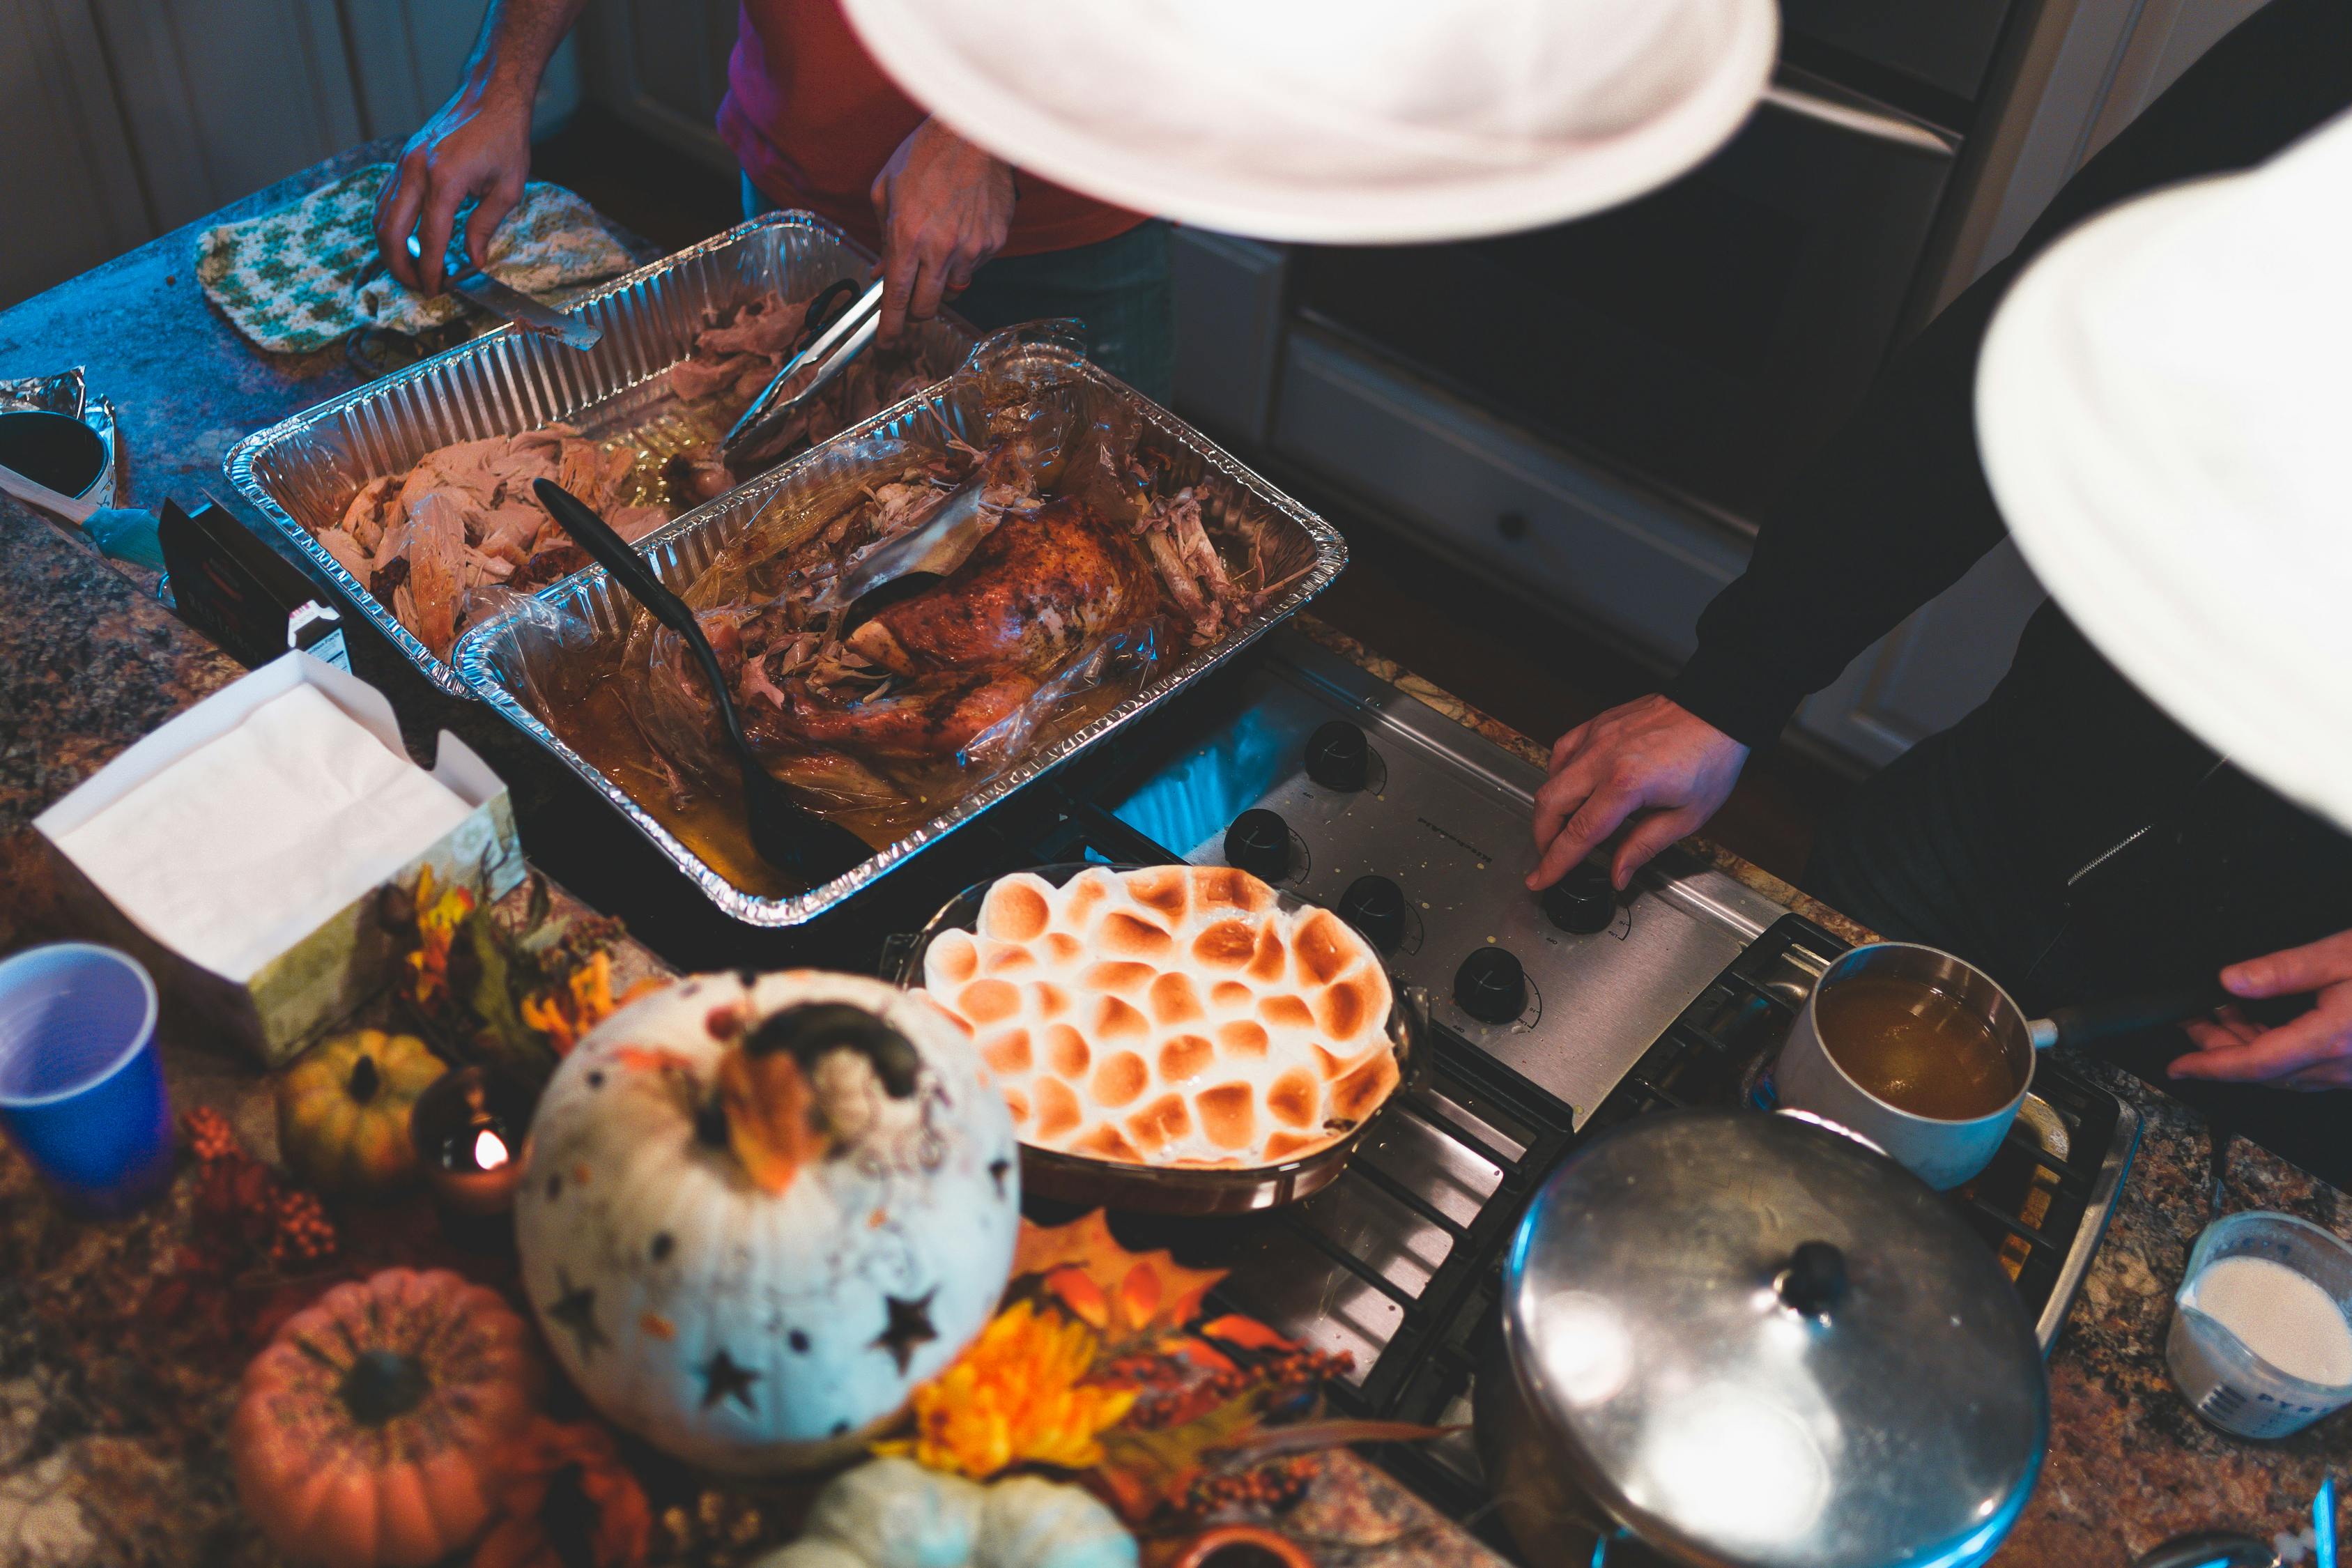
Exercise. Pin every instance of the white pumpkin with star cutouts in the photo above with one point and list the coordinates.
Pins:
(756, 1211)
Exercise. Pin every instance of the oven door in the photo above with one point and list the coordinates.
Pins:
(1706, 337)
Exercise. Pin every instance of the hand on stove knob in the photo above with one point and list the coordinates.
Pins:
(2311, 1051)
(1651, 763)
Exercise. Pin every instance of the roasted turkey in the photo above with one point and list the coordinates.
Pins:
(1105, 558)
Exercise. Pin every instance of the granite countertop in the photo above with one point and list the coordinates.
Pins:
(90, 662)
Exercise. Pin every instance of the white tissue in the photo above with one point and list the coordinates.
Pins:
(248, 843)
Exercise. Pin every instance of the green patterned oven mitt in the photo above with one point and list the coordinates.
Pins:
(305, 276)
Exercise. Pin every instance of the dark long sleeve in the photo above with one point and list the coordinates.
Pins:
(1896, 508)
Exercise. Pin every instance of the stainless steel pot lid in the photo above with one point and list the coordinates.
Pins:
(1759, 1341)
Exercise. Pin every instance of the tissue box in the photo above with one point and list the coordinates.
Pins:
(288, 984)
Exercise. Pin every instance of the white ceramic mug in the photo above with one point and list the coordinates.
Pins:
(1939, 1152)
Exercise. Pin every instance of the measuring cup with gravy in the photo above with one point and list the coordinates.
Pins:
(1916, 1050)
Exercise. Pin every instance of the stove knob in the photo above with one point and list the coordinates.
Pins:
(1337, 757)
(1259, 843)
(1375, 906)
(1491, 986)
(1583, 901)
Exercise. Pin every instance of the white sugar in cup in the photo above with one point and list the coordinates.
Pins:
(2261, 1328)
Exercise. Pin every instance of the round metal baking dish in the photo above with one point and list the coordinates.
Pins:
(1180, 1189)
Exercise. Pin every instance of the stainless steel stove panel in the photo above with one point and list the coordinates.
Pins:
(1447, 816)
(1683, 999)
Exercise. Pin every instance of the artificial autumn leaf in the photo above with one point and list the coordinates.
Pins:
(1246, 1332)
(1124, 1296)
(767, 1100)
(1198, 1352)
(505, 1038)
(1145, 1469)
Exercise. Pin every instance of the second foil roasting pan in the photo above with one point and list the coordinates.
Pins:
(304, 471)
(507, 658)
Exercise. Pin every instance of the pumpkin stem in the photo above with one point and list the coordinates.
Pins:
(364, 1080)
(711, 1124)
(770, 1110)
(382, 1384)
(812, 1029)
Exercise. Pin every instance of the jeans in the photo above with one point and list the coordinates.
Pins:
(1118, 289)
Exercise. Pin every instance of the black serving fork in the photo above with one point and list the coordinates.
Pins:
(788, 836)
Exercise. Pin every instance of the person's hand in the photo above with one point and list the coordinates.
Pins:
(945, 207)
(479, 144)
(1651, 761)
(2313, 1051)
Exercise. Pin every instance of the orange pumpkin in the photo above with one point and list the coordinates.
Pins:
(366, 1434)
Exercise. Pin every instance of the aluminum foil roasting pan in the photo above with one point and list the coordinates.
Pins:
(504, 657)
(306, 470)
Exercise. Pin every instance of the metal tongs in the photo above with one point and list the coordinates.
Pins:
(830, 351)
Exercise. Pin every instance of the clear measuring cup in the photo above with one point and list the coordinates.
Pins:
(2222, 1377)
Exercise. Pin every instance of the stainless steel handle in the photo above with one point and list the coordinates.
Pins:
(1878, 126)
(848, 334)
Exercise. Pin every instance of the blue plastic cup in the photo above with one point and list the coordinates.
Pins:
(82, 1086)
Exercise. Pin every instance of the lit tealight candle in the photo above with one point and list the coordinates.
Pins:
(465, 1129)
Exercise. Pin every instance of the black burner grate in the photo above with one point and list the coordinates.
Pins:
(2029, 1203)
(1399, 1262)
(2028, 1206)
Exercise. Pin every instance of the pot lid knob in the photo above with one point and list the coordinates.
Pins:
(1814, 1280)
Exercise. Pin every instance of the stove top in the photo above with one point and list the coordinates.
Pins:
(1555, 1017)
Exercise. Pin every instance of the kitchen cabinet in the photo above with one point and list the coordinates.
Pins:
(1499, 501)
(126, 118)
(1931, 669)
(407, 57)
(222, 96)
(69, 184)
(1606, 551)
(1542, 523)
(661, 65)
(1229, 301)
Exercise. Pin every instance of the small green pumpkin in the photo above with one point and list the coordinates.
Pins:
(342, 1111)
(893, 1513)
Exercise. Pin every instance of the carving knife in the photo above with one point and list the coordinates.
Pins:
(512, 304)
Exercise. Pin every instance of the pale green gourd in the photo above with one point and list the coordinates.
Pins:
(1031, 1522)
(893, 1513)
(811, 1552)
